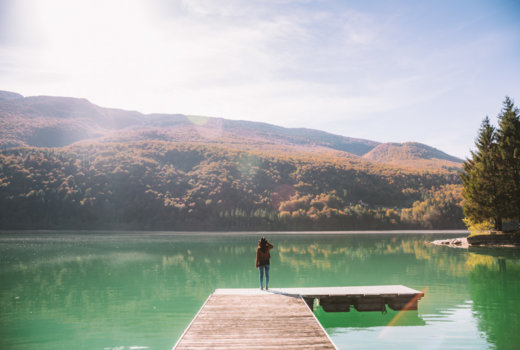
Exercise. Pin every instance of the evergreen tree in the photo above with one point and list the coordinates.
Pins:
(483, 197)
(508, 140)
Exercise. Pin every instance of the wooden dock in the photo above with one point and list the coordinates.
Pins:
(282, 318)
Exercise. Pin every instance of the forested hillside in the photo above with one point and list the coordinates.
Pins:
(173, 172)
(161, 185)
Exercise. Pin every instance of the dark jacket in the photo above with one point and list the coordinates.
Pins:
(262, 258)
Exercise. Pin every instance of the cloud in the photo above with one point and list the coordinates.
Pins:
(197, 44)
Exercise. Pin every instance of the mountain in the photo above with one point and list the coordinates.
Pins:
(411, 154)
(7, 95)
(66, 163)
(45, 121)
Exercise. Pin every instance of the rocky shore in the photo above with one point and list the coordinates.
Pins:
(497, 239)
(461, 242)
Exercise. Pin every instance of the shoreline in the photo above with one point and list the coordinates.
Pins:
(460, 242)
(502, 240)
(164, 232)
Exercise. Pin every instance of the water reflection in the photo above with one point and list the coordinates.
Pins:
(494, 280)
(60, 291)
(354, 319)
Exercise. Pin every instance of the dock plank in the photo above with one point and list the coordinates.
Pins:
(254, 321)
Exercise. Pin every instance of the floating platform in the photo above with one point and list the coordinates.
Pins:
(363, 298)
(282, 318)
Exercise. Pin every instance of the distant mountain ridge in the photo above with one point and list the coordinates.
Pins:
(410, 153)
(48, 121)
(7, 95)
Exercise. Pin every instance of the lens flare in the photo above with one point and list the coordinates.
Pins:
(248, 165)
(207, 128)
(401, 313)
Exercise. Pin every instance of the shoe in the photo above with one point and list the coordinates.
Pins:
(266, 288)
(261, 288)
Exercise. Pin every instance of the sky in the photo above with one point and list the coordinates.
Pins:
(384, 70)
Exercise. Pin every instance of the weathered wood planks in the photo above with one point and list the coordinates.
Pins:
(254, 321)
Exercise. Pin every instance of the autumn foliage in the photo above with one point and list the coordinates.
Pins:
(184, 186)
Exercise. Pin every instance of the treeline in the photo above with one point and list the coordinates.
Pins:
(160, 185)
(491, 176)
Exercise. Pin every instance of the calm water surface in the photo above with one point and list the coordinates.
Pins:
(92, 290)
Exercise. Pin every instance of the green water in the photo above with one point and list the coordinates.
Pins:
(94, 290)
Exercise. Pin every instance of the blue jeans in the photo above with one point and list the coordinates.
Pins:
(263, 268)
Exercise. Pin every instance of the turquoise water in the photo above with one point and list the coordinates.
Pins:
(94, 290)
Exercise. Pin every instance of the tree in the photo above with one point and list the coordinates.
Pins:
(508, 144)
(491, 176)
(483, 196)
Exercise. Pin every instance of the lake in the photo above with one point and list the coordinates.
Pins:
(140, 290)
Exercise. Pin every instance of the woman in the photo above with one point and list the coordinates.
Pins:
(262, 261)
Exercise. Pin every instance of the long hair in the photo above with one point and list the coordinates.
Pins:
(263, 244)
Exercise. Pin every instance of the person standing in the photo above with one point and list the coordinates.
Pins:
(262, 261)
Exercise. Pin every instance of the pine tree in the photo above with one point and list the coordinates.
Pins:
(482, 194)
(508, 145)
